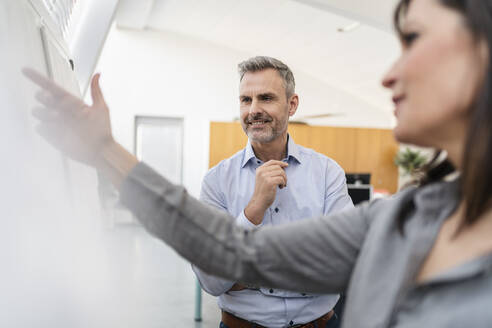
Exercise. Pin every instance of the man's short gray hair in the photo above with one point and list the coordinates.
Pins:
(260, 63)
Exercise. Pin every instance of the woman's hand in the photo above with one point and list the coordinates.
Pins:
(80, 131)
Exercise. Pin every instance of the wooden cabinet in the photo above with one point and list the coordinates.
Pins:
(357, 150)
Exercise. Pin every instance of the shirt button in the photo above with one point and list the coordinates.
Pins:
(276, 209)
(258, 162)
(291, 322)
(271, 291)
(303, 294)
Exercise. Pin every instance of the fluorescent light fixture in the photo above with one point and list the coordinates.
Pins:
(349, 28)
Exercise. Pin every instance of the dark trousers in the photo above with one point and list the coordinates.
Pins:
(333, 323)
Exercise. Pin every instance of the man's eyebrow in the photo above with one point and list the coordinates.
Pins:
(261, 95)
(267, 94)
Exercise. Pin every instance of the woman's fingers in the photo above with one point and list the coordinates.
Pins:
(43, 81)
(96, 93)
(51, 95)
(45, 114)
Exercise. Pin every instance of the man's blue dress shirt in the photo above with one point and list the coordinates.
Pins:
(315, 186)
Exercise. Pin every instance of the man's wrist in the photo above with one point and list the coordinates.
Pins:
(254, 213)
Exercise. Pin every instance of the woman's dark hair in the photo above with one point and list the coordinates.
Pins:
(476, 175)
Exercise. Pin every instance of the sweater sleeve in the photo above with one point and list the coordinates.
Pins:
(309, 255)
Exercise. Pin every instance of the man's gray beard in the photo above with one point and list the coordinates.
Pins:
(264, 138)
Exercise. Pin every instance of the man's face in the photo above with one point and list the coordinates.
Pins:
(264, 107)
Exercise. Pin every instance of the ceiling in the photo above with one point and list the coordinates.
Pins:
(303, 33)
(377, 13)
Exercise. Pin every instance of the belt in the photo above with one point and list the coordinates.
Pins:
(232, 321)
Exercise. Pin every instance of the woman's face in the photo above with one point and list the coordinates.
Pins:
(437, 77)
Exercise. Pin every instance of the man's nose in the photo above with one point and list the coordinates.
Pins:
(255, 107)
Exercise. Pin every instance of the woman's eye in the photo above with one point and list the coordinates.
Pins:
(409, 38)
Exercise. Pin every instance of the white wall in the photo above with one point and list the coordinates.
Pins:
(165, 74)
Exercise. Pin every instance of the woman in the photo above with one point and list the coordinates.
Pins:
(420, 259)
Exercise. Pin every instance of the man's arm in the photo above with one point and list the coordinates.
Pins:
(211, 195)
(336, 192)
(268, 177)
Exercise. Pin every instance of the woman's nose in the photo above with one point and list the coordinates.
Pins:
(390, 78)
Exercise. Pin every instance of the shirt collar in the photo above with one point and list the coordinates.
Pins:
(292, 152)
(248, 154)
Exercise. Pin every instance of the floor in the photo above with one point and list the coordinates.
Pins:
(56, 273)
(156, 285)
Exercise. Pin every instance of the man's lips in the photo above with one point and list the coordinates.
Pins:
(258, 122)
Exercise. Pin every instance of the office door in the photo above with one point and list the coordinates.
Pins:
(159, 143)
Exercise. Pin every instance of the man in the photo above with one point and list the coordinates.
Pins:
(272, 181)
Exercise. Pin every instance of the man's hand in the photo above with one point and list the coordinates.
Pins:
(77, 129)
(269, 176)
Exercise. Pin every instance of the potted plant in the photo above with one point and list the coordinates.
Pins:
(409, 161)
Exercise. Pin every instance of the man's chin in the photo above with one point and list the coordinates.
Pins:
(260, 137)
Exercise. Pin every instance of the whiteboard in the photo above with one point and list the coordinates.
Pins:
(51, 227)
